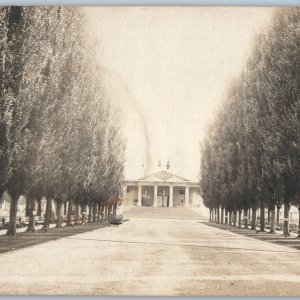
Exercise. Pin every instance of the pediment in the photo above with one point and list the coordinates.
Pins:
(163, 176)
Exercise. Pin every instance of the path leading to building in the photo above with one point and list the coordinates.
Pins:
(153, 256)
(179, 213)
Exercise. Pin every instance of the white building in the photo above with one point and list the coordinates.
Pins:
(163, 189)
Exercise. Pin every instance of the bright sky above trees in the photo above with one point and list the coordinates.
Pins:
(169, 68)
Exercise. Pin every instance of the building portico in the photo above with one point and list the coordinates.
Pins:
(163, 189)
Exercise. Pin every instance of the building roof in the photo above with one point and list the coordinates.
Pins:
(164, 176)
(161, 178)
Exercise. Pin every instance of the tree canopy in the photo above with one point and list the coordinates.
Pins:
(59, 133)
(251, 154)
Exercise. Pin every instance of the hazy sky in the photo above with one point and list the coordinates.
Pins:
(168, 68)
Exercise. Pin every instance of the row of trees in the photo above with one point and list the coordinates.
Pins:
(59, 135)
(251, 154)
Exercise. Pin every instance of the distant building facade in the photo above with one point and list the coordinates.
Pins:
(163, 189)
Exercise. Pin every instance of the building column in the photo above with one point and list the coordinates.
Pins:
(171, 196)
(139, 195)
(155, 196)
(187, 197)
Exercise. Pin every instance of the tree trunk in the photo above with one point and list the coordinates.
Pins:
(278, 214)
(286, 232)
(99, 213)
(58, 213)
(94, 212)
(262, 217)
(299, 221)
(222, 215)
(246, 218)
(27, 207)
(230, 219)
(12, 230)
(83, 214)
(77, 213)
(249, 215)
(240, 218)
(90, 214)
(269, 216)
(107, 212)
(39, 207)
(253, 218)
(114, 210)
(31, 206)
(70, 212)
(234, 217)
(103, 212)
(47, 214)
(226, 217)
(102, 215)
(272, 230)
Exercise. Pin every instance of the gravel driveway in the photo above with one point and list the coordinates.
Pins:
(153, 255)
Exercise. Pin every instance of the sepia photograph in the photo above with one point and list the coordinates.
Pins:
(149, 150)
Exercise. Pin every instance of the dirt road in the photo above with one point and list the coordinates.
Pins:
(153, 255)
